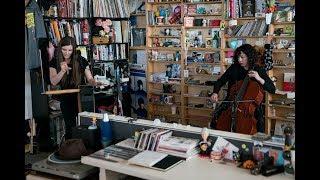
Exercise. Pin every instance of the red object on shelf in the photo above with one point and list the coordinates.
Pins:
(288, 86)
(289, 82)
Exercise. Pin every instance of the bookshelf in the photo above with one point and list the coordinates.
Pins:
(171, 43)
(179, 62)
(102, 36)
(195, 82)
(280, 107)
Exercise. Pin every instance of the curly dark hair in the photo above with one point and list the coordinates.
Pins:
(248, 50)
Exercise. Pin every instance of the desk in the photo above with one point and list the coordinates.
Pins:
(193, 169)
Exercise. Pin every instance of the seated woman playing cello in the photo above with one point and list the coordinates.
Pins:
(247, 83)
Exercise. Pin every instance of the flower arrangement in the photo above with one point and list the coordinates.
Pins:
(270, 6)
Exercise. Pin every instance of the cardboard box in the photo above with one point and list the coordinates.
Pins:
(100, 40)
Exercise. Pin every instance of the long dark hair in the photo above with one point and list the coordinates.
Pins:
(248, 50)
(75, 78)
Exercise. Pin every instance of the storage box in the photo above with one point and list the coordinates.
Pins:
(100, 40)
(188, 21)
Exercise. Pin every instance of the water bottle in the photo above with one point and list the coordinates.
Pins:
(106, 131)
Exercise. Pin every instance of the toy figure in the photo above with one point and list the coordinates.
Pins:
(205, 144)
(287, 132)
(94, 124)
(156, 42)
(236, 156)
(169, 71)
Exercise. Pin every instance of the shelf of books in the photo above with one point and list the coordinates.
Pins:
(101, 30)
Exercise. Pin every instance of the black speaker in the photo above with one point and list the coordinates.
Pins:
(90, 137)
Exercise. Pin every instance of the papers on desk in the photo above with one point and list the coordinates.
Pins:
(221, 143)
(155, 160)
(147, 158)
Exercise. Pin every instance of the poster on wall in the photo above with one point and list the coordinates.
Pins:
(139, 90)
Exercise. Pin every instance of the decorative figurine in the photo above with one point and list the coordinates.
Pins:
(167, 32)
(205, 144)
(156, 42)
(93, 125)
(236, 156)
(222, 26)
(288, 131)
(204, 22)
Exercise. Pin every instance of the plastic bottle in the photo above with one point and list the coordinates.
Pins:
(106, 131)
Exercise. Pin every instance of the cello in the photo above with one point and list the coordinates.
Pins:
(245, 96)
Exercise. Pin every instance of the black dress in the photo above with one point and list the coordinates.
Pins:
(69, 102)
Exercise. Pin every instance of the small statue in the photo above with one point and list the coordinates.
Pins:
(205, 144)
(204, 23)
(156, 43)
(288, 141)
(94, 123)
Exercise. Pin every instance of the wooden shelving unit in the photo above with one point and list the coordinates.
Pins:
(276, 113)
(190, 92)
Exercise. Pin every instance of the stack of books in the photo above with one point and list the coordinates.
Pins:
(149, 139)
(179, 146)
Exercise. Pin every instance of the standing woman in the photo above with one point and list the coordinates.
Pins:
(69, 70)
(244, 63)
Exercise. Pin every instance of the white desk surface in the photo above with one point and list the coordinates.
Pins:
(193, 169)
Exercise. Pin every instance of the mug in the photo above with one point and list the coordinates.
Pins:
(168, 100)
(174, 109)
(160, 20)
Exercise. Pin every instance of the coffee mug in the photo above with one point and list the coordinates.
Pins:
(174, 109)
(168, 100)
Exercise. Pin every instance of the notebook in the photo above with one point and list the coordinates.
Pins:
(155, 160)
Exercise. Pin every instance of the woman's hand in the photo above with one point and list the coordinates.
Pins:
(214, 97)
(255, 75)
(93, 82)
(64, 67)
